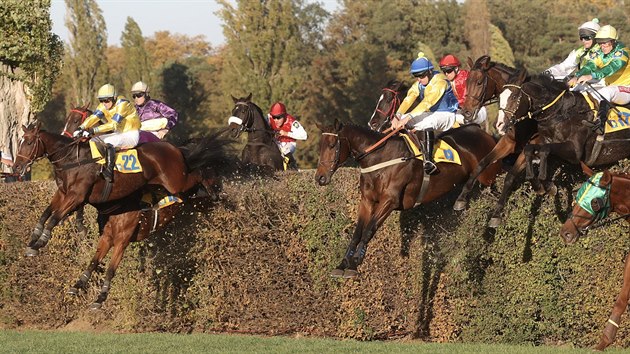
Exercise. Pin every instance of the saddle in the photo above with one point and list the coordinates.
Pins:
(442, 151)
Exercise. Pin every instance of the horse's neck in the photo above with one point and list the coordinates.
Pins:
(620, 194)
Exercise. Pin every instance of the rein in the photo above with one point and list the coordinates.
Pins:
(530, 113)
(391, 111)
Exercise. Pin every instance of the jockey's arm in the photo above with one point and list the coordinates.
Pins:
(96, 117)
(613, 66)
(297, 131)
(432, 94)
(169, 113)
(412, 95)
(565, 68)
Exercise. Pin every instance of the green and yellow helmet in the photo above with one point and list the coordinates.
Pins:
(106, 91)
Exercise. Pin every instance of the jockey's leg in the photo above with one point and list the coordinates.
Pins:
(429, 122)
(429, 140)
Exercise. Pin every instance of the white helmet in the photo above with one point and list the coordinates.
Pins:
(589, 28)
(140, 87)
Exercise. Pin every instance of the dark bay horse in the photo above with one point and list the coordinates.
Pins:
(130, 220)
(603, 193)
(261, 148)
(78, 177)
(560, 114)
(394, 178)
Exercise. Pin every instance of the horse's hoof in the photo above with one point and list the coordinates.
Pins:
(553, 190)
(337, 273)
(350, 273)
(459, 205)
(31, 252)
(494, 222)
(96, 306)
(83, 233)
(73, 291)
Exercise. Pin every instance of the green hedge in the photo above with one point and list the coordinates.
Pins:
(258, 262)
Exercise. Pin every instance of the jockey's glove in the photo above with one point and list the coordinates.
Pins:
(77, 133)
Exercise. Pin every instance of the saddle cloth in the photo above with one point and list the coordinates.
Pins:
(126, 161)
(442, 151)
(618, 117)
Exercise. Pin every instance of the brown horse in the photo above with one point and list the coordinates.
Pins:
(78, 179)
(602, 193)
(131, 220)
(392, 178)
(261, 148)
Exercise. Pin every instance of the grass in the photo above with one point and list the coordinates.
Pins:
(84, 342)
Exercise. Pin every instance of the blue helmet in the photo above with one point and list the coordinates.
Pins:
(421, 64)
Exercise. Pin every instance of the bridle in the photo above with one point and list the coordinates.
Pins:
(391, 111)
(483, 101)
(35, 152)
(335, 163)
(83, 114)
(604, 207)
(531, 112)
(246, 124)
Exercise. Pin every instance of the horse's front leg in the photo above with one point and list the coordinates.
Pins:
(501, 150)
(81, 229)
(119, 250)
(365, 208)
(612, 326)
(69, 203)
(32, 249)
(104, 244)
(508, 184)
(385, 207)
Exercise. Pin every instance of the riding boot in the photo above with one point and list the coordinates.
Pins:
(110, 160)
(429, 165)
(602, 116)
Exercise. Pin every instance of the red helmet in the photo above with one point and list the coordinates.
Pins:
(278, 109)
(450, 60)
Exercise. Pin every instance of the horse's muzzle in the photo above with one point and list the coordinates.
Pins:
(322, 179)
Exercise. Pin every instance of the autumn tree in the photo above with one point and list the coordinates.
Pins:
(85, 67)
(137, 63)
(476, 24)
(30, 60)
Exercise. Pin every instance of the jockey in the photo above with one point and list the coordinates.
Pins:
(437, 108)
(115, 122)
(609, 62)
(155, 116)
(288, 130)
(580, 56)
(451, 67)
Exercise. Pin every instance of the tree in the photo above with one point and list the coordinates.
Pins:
(500, 50)
(85, 66)
(137, 67)
(476, 26)
(30, 60)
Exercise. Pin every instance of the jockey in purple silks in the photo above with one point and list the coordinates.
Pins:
(156, 117)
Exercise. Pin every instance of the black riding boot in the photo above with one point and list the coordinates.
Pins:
(110, 160)
(429, 165)
(602, 116)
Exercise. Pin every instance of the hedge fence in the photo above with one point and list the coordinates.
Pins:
(258, 261)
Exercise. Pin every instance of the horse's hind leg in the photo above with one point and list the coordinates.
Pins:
(104, 244)
(612, 326)
(519, 165)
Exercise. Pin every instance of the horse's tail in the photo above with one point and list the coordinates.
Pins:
(209, 152)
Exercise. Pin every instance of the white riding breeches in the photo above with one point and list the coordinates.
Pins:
(286, 147)
(616, 94)
(126, 140)
(440, 121)
(481, 117)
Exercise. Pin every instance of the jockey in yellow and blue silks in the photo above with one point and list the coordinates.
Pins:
(116, 123)
(436, 110)
(610, 63)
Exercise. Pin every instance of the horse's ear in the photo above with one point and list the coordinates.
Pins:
(338, 125)
(319, 126)
(85, 106)
(522, 75)
(485, 62)
(470, 63)
(234, 99)
(606, 179)
(587, 170)
(249, 98)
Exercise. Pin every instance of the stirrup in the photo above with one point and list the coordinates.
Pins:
(431, 168)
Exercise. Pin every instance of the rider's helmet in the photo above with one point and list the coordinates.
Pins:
(278, 110)
(606, 33)
(421, 65)
(107, 91)
(589, 29)
(449, 60)
(140, 87)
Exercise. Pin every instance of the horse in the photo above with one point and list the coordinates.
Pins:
(130, 220)
(388, 102)
(560, 115)
(261, 148)
(391, 178)
(484, 84)
(77, 174)
(603, 193)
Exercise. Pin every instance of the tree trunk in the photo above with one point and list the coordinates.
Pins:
(15, 110)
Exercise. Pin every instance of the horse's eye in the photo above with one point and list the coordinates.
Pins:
(30, 143)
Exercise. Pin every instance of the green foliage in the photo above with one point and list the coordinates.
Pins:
(500, 50)
(137, 59)
(29, 48)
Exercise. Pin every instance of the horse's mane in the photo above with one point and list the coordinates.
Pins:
(500, 66)
(395, 83)
(548, 83)
(365, 130)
